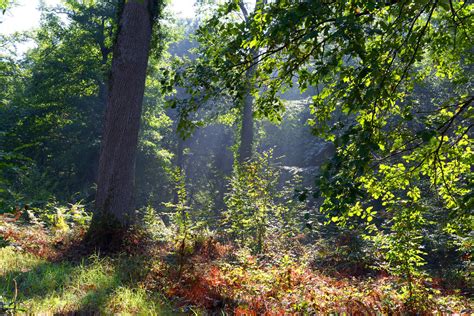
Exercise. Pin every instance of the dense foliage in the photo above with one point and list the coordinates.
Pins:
(358, 165)
(393, 95)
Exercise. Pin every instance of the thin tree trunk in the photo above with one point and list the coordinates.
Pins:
(116, 174)
(105, 52)
(179, 163)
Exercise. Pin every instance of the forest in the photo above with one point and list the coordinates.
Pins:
(268, 157)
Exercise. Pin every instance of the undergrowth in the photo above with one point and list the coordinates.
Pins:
(43, 271)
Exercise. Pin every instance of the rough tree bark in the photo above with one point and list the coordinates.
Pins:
(116, 175)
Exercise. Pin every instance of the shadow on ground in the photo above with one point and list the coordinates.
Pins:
(96, 285)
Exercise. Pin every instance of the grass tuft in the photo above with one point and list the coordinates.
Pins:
(103, 285)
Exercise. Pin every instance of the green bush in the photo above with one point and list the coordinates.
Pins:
(255, 206)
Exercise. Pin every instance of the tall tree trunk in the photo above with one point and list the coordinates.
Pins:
(116, 174)
(246, 130)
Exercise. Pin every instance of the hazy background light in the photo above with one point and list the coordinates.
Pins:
(25, 16)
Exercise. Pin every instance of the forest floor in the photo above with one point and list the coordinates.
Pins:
(43, 272)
